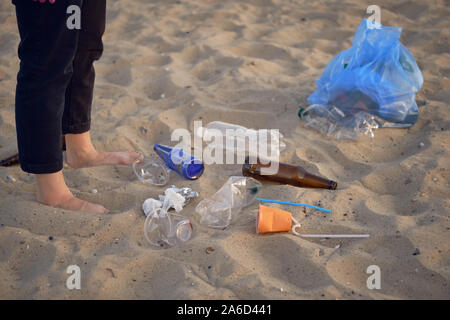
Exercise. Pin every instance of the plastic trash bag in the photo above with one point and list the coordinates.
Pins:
(220, 210)
(373, 84)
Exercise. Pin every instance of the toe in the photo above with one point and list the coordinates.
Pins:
(104, 210)
(131, 157)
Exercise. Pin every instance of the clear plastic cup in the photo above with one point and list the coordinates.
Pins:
(151, 171)
(167, 230)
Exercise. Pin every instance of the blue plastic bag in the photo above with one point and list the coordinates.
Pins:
(373, 84)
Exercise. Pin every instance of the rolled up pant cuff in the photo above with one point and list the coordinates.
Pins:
(77, 128)
(41, 168)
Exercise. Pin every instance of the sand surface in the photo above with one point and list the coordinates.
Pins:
(168, 63)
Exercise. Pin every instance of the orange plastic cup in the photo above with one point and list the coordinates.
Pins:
(273, 220)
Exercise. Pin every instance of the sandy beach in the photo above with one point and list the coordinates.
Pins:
(167, 64)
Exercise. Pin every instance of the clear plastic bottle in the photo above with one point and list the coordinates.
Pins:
(332, 121)
(242, 134)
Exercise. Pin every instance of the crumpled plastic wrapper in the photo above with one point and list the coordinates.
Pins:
(186, 192)
(173, 197)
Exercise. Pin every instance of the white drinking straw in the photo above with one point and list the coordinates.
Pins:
(298, 225)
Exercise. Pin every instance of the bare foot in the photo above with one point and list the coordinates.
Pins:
(80, 153)
(53, 191)
(93, 158)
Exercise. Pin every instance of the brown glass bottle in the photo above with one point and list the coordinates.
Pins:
(287, 174)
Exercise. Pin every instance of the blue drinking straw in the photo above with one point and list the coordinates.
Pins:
(293, 204)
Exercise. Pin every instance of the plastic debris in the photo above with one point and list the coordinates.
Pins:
(368, 86)
(163, 228)
(220, 210)
(232, 137)
(293, 204)
(186, 192)
(151, 171)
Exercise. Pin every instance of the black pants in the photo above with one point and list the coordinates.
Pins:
(56, 77)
